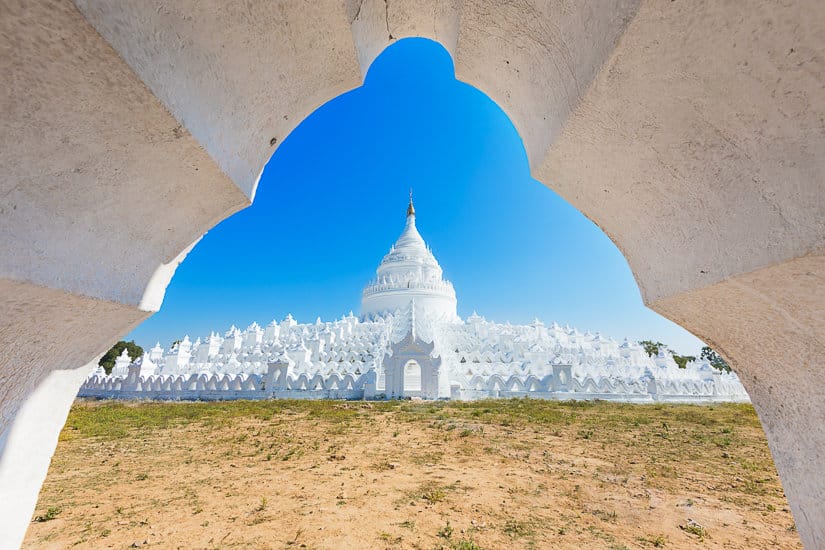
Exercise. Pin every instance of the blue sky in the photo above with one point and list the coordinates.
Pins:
(333, 198)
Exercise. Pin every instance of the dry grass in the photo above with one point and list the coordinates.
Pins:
(492, 474)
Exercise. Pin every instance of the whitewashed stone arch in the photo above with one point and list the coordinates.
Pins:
(412, 349)
(683, 129)
(412, 378)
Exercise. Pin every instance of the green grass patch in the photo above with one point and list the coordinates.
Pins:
(50, 513)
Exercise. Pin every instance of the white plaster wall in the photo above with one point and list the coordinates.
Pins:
(390, 301)
(699, 137)
(537, 59)
(378, 23)
(701, 140)
(94, 167)
(236, 76)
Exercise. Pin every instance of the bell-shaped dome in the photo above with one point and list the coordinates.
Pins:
(410, 255)
(409, 272)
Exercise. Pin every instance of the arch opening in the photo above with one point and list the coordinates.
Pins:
(412, 379)
(497, 386)
(302, 220)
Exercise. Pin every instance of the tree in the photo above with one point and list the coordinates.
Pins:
(683, 360)
(108, 359)
(716, 361)
(651, 347)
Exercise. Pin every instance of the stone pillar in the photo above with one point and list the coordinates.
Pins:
(770, 327)
(561, 378)
(430, 377)
(277, 372)
(26, 448)
(394, 377)
(652, 388)
(370, 379)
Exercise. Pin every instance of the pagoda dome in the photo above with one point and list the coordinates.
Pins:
(409, 272)
(409, 255)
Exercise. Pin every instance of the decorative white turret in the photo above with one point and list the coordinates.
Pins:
(409, 272)
(121, 368)
(156, 353)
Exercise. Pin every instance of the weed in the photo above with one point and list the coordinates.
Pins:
(258, 519)
(598, 533)
(294, 451)
(407, 524)
(386, 465)
(389, 538)
(261, 505)
(585, 434)
(430, 492)
(426, 458)
(694, 529)
(657, 541)
(606, 516)
(51, 513)
(517, 529)
(434, 495)
(465, 544)
(446, 532)
(294, 540)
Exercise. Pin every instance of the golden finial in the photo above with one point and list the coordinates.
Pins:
(410, 208)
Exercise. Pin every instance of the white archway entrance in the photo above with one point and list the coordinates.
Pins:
(412, 379)
(411, 371)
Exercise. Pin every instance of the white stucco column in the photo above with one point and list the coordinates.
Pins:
(770, 325)
(27, 444)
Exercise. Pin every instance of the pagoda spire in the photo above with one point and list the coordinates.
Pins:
(410, 208)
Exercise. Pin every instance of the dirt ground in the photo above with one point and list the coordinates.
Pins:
(493, 474)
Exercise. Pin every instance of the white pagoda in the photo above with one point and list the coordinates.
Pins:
(409, 272)
(410, 342)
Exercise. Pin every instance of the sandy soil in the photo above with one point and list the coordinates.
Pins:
(406, 475)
